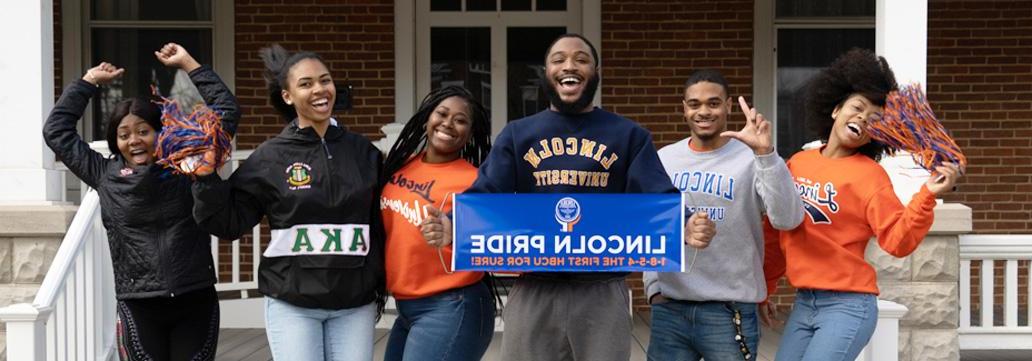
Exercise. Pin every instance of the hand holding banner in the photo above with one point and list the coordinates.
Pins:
(568, 232)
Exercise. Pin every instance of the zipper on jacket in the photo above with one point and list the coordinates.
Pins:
(329, 171)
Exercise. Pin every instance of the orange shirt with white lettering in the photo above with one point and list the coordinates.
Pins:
(848, 200)
(414, 268)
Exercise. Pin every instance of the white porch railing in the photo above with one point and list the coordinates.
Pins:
(986, 335)
(73, 314)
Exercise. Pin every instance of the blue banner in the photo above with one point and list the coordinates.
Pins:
(554, 232)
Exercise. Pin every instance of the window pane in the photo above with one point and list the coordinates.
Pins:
(823, 8)
(133, 50)
(190, 10)
(445, 5)
(526, 53)
(551, 5)
(802, 53)
(516, 5)
(480, 5)
(462, 56)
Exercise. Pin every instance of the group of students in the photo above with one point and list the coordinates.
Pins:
(349, 227)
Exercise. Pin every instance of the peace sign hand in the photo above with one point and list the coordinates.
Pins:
(756, 134)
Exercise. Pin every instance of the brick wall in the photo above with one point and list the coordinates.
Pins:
(355, 38)
(980, 85)
(650, 47)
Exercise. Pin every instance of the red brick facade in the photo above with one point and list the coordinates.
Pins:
(355, 38)
(980, 84)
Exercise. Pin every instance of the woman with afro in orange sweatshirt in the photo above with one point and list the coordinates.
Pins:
(848, 199)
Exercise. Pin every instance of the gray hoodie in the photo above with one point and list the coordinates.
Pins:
(736, 188)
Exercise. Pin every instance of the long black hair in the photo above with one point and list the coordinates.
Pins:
(278, 62)
(143, 107)
(858, 71)
(412, 139)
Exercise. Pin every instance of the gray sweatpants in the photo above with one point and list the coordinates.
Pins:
(567, 320)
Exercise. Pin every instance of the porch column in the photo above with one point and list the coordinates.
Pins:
(404, 72)
(901, 36)
(27, 68)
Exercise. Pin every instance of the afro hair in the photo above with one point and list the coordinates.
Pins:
(858, 71)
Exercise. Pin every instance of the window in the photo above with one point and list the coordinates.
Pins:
(806, 36)
(493, 48)
(127, 32)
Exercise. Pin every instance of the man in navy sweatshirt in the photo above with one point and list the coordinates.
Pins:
(572, 147)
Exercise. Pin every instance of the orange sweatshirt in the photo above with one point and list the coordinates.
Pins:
(847, 200)
(414, 268)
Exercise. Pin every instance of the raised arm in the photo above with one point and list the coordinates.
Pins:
(59, 130)
(216, 94)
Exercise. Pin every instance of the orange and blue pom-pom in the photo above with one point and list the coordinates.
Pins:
(909, 124)
(196, 139)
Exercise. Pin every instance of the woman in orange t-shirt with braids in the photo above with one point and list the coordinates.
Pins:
(442, 315)
(848, 199)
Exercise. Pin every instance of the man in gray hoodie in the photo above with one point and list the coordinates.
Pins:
(710, 310)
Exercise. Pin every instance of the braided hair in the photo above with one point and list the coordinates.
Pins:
(858, 71)
(412, 139)
(278, 62)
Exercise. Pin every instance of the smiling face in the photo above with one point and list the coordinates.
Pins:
(310, 90)
(851, 118)
(571, 75)
(136, 140)
(448, 129)
(706, 106)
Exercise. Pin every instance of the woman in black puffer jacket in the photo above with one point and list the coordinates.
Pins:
(164, 276)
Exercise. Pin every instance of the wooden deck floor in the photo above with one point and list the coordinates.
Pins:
(250, 344)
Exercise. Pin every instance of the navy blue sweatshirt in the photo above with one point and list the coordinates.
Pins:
(594, 152)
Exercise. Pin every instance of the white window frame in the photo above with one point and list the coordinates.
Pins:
(76, 49)
(765, 45)
(413, 20)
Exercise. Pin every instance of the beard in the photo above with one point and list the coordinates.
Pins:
(585, 99)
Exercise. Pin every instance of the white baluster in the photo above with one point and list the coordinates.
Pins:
(965, 293)
(1010, 294)
(987, 293)
(236, 261)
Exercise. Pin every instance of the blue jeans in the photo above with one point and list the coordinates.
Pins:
(828, 326)
(453, 325)
(684, 330)
(299, 333)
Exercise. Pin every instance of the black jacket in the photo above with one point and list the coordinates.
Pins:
(309, 188)
(156, 247)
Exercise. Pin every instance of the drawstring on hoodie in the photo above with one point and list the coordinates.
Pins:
(326, 148)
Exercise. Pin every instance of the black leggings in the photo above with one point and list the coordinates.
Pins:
(185, 327)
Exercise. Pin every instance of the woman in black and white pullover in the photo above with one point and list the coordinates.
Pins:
(322, 272)
(164, 278)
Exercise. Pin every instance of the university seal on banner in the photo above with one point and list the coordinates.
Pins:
(567, 213)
